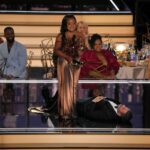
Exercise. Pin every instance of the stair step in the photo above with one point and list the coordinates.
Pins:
(55, 19)
(31, 29)
(35, 42)
(46, 30)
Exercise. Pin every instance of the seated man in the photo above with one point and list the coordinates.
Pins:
(13, 57)
(103, 109)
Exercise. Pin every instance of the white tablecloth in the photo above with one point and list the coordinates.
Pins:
(126, 72)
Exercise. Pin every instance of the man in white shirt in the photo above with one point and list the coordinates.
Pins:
(13, 57)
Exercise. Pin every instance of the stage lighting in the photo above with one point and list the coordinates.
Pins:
(120, 47)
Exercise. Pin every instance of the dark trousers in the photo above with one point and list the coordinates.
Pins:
(146, 106)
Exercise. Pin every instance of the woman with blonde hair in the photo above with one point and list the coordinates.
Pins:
(82, 27)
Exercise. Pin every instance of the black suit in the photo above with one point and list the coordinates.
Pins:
(146, 105)
(101, 110)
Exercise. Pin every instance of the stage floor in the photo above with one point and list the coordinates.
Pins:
(74, 138)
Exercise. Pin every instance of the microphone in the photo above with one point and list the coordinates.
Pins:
(73, 38)
(77, 63)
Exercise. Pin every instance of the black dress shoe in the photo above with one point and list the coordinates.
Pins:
(38, 110)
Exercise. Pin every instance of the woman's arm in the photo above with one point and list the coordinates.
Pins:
(102, 58)
(113, 63)
(58, 50)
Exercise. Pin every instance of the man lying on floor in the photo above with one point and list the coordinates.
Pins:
(101, 108)
(96, 108)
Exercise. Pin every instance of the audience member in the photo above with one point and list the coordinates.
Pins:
(98, 63)
(82, 27)
(13, 57)
(67, 46)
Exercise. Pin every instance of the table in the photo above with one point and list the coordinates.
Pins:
(126, 72)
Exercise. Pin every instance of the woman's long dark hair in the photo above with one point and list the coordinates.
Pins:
(64, 29)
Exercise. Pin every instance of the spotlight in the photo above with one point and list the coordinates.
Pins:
(120, 47)
(113, 3)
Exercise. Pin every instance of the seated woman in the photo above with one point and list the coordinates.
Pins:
(98, 63)
(82, 27)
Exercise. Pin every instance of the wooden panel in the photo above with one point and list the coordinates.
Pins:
(35, 19)
(120, 30)
(87, 141)
(108, 19)
(31, 29)
(34, 42)
(75, 149)
(36, 63)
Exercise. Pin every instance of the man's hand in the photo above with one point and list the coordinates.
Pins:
(98, 99)
(122, 109)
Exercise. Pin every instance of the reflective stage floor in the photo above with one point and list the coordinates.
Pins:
(47, 131)
(74, 138)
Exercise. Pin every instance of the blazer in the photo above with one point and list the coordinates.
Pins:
(101, 110)
(13, 63)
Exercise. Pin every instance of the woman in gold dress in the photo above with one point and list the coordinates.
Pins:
(67, 47)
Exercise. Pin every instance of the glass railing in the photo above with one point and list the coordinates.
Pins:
(124, 131)
(23, 105)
